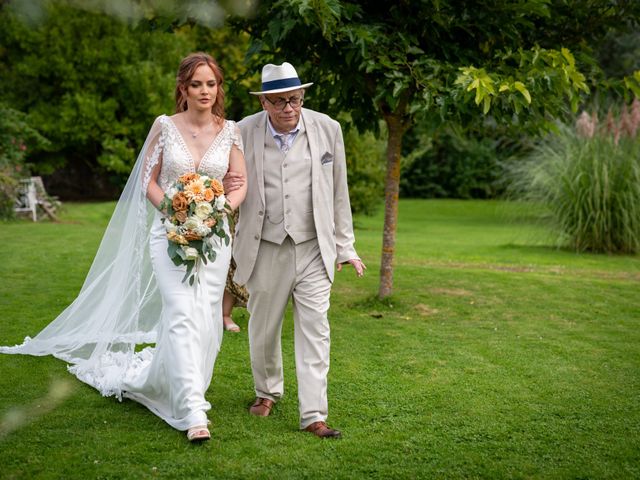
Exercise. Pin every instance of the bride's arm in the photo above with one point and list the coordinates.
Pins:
(236, 164)
(152, 152)
(155, 194)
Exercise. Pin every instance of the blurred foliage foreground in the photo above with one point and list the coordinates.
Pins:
(90, 78)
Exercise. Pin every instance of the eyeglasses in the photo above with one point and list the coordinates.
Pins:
(281, 103)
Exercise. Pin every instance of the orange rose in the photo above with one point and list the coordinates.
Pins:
(180, 202)
(208, 195)
(181, 216)
(190, 235)
(217, 187)
(188, 178)
(210, 222)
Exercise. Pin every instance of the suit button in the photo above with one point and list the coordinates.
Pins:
(284, 165)
(286, 196)
(257, 237)
(260, 213)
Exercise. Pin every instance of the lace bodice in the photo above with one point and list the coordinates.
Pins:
(177, 159)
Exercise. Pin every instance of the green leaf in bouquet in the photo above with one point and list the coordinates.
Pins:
(176, 254)
(180, 253)
(189, 264)
(172, 248)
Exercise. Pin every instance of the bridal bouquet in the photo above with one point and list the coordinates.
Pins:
(195, 206)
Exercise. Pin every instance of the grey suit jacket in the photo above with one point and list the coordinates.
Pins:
(330, 194)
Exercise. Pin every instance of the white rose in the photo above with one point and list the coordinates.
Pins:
(190, 252)
(170, 227)
(220, 201)
(204, 178)
(192, 223)
(171, 192)
(203, 230)
(203, 210)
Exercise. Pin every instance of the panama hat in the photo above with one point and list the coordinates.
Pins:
(280, 78)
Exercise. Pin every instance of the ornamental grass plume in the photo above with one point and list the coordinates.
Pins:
(586, 125)
(588, 179)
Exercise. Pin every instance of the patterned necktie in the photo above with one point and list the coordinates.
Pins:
(284, 142)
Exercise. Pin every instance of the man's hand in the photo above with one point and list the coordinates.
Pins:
(233, 181)
(357, 264)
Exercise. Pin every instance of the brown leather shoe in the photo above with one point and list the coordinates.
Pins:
(261, 407)
(322, 430)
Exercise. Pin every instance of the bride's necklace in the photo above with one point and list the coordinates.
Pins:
(195, 133)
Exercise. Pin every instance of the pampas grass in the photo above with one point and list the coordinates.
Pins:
(588, 179)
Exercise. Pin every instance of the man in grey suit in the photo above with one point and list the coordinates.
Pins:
(295, 226)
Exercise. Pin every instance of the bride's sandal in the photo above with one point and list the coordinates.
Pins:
(230, 325)
(198, 434)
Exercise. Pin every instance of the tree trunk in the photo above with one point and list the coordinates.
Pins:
(396, 129)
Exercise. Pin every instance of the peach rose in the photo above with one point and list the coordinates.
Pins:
(208, 195)
(181, 216)
(210, 222)
(180, 202)
(188, 178)
(217, 187)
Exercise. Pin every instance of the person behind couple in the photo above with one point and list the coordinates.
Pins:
(294, 226)
(234, 295)
(134, 293)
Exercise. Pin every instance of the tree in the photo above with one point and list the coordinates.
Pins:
(457, 60)
(92, 76)
(92, 85)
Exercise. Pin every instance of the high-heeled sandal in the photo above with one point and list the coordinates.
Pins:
(198, 434)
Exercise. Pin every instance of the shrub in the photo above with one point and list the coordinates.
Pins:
(588, 178)
(366, 170)
(452, 163)
(17, 138)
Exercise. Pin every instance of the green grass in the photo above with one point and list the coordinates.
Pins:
(496, 357)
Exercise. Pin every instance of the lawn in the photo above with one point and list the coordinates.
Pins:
(498, 356)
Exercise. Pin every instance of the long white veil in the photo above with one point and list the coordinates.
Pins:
(119, 305)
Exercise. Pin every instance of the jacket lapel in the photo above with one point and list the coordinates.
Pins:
(312, 138)
(258, 149)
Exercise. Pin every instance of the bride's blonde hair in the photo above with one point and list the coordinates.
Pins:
(186, 71)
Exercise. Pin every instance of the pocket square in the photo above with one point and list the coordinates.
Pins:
(326, 158)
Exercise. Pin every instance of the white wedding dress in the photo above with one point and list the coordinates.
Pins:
(134, 294)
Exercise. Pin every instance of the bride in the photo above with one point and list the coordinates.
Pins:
(133, 293)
